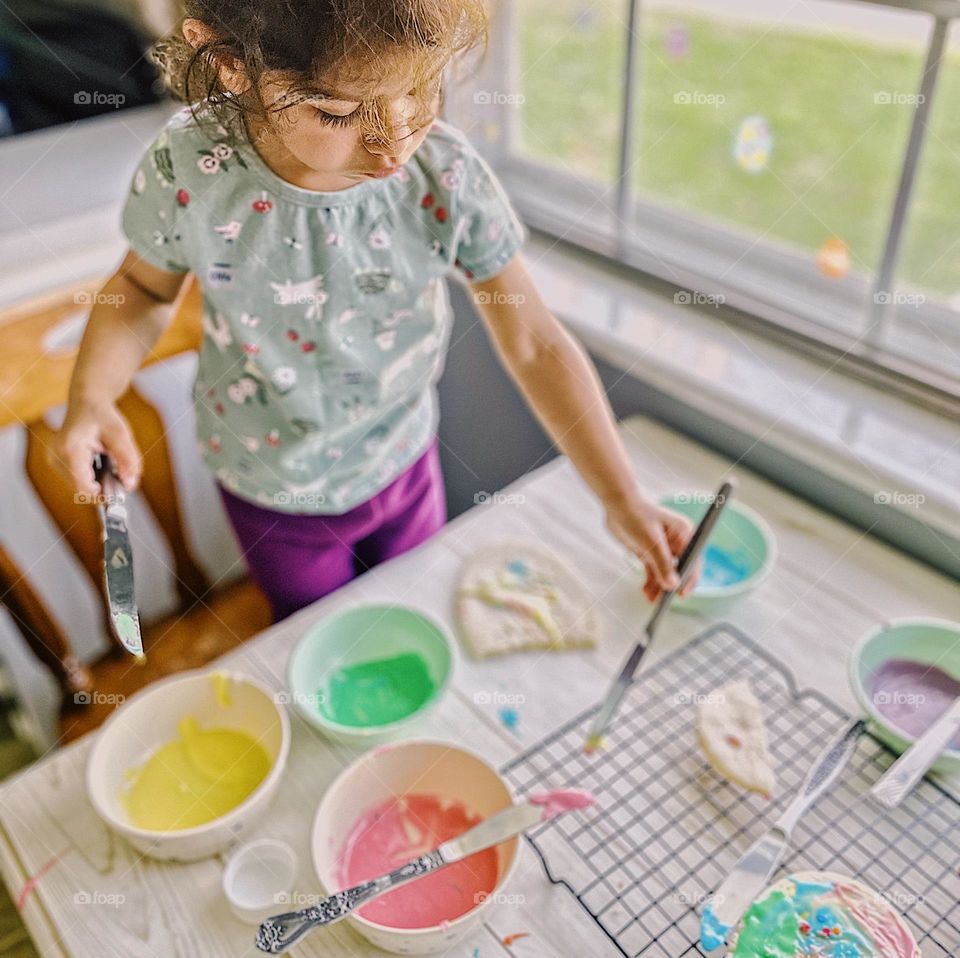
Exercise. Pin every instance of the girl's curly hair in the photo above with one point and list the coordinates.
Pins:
(300, 42)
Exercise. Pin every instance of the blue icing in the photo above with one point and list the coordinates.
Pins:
(518, 567)
(849, 944)
(713, 932)
(510, 718)
(826, 916)
(723, 568)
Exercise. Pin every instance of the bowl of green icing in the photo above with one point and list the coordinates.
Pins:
(365, 674)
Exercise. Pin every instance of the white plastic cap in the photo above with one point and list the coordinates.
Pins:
(257, 877)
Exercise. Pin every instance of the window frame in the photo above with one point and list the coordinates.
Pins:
(669, 247)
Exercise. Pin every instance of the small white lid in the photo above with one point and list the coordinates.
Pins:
(258, 878)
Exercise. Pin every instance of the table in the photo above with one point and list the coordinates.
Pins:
(831, 584)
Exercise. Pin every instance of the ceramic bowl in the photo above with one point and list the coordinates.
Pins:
(149, 720)
(363, 634)
(739, 554)
(424, 767)
(930, 641)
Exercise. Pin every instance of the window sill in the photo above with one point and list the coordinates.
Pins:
(902, 460)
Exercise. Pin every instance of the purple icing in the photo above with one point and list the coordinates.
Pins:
(912, 695)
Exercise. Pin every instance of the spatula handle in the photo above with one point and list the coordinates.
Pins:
(823, 774)
(278, 933)
(898, 780)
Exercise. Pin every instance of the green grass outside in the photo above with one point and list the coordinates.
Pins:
(836, 153)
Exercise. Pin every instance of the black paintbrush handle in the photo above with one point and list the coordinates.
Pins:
(693, 549)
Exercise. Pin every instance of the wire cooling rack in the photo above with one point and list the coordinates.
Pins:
(667, 829)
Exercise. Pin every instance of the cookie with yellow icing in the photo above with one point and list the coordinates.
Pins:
(732, 735)
(821, 915)
(515, 595)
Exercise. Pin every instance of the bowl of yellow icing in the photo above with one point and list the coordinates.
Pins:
(188, 766)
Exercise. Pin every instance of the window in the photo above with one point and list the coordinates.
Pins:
(796, 161)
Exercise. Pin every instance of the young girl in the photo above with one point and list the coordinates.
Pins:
(319, 201)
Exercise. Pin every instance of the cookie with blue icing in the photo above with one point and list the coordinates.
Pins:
(517, 595)
(821, 915)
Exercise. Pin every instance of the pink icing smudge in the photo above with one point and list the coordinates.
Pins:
(561, 800)
(890, 935)
(400, 829)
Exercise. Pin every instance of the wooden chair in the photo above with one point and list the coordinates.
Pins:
(208, 621)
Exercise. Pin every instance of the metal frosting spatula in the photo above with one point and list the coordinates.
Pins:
(759, 863)
(278, 933)
(117, 556)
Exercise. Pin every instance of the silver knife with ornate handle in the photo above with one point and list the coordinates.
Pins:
(117, 556)
(756, 867)
(278, 933)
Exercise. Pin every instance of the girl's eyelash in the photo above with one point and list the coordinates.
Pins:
(333, 120)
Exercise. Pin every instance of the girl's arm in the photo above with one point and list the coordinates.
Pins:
(130, 313)
(562, 387)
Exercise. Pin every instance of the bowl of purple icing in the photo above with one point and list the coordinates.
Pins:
(905, 674)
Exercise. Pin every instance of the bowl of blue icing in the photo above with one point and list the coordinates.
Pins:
(738, 556)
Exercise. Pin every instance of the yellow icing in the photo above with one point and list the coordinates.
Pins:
(535, 607)
(199, 776)
(221, 688)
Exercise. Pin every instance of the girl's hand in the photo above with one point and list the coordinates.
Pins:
(87, 430)
(657, 537)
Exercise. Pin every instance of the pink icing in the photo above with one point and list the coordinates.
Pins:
(891, 937)
(393, 833)
(561, 800)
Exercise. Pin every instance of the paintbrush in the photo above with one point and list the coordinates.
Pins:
(618, 687)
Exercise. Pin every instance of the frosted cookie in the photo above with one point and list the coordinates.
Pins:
(514, 596)
(731, 733)
(821, 915)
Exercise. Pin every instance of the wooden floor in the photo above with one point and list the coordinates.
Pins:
(185, 640)
(14, 940)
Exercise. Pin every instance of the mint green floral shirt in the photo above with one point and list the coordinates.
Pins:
(326, 315)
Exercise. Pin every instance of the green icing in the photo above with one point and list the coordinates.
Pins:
(770, 929)
(377, 692)
(128, 630)
(799, 925)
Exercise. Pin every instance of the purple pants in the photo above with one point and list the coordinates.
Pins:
(297, 559)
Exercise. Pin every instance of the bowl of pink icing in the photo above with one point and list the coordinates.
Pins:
(396, 803)
(905, 675)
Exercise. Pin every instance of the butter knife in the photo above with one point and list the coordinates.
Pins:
(117, 556)
(621, 683)
(278, 933)
(759, 863)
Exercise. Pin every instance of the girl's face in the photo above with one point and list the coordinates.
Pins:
(318, 143)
